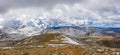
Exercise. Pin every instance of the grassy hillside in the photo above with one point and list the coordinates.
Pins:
(40, 45)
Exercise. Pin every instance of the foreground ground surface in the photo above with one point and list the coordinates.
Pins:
(58, 44)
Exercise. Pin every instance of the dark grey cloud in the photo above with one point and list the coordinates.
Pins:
(6, 4)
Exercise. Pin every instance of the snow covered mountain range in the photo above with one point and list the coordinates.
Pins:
(29, 26)
(90, 19)
(74, 31)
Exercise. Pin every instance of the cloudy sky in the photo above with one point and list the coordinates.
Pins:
(103, 12)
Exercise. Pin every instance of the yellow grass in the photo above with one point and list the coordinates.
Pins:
(73, 50)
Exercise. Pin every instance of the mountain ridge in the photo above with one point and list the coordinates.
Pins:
(18, 34)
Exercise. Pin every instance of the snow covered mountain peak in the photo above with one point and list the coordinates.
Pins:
(26, 21)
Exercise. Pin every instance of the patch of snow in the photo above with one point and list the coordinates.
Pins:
(30, 31)
(69, 40)
(56, 45)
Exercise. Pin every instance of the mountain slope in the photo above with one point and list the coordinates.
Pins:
(75, 31)
(47, 39)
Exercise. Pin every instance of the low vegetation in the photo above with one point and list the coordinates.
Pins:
(39, 45)
(114, 43)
